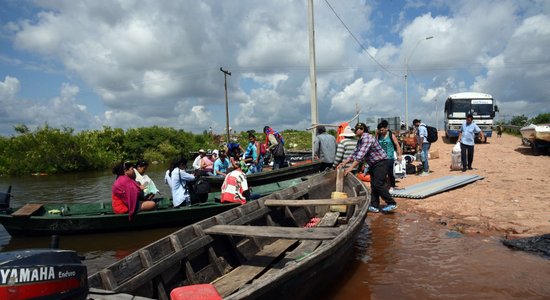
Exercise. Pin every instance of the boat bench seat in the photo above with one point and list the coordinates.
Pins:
(239, 276)
(297, 233)
(264, 259)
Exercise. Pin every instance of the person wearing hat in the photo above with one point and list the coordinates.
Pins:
(345, 147)
(207, 165)
(369, 150)
(324, 147)
(197, 161)
(422, 132)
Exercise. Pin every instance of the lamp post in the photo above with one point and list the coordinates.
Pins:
(406, 79)
(225, 73)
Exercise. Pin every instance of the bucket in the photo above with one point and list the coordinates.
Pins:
(338, 208)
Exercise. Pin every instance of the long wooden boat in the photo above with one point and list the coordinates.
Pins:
(264, 249)
(79, 218)
(272, 176)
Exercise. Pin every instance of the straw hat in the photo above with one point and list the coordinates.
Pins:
(347, 132)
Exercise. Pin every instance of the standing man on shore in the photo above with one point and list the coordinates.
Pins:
(422, 132)
(371, 152)
(324, 147)
(466, 137)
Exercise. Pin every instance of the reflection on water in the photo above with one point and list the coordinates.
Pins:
(407, 257)
(81, 187)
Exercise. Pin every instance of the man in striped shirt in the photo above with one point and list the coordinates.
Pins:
(369, 151)
(346, 147)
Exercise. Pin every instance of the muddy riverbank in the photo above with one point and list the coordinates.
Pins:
(512, 200)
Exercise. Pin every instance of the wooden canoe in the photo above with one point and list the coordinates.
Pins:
(272, 176)
(79, 218)
(260, 250)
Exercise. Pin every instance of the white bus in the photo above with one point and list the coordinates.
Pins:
(481, 106)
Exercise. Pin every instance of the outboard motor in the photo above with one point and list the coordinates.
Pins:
(42, 273)
(5, 199)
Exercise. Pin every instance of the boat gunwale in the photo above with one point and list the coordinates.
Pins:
(329, 246)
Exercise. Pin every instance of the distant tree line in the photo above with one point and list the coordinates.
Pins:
(522, 120)
(62, 150)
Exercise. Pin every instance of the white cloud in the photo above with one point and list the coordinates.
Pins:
(157, 63)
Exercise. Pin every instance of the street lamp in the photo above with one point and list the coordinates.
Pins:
(406, 79)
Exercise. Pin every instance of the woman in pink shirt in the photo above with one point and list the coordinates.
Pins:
(207, 164)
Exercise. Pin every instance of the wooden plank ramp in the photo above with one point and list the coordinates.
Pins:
(27, 210)
(313, 202)
(238, 277)
(292, 233)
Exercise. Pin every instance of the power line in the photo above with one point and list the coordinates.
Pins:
(359, 43)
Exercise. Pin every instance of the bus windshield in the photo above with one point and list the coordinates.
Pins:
(460, 106)
(477, 107)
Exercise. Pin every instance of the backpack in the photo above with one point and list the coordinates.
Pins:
(262, 149)
(432, 134)
(199, 190)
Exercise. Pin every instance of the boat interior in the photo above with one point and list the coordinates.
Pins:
(242, 246)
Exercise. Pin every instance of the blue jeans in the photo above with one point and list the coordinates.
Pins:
(424, 156)
(260, 164)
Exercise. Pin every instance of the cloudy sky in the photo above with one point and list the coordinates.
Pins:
(86, 64)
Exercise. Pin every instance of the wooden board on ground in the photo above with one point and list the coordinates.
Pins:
(275, 232)
(238, 277)
(27, 210)
(313, 202)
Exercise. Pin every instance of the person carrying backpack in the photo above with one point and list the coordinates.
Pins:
(276, 147)
(425, 139)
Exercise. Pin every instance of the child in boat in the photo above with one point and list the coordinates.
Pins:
(127, 193)
(150, 188)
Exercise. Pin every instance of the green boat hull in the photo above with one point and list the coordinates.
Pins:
(81, 218)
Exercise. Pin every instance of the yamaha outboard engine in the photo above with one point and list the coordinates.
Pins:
(42, 273)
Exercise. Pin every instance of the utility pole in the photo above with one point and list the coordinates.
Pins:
(312, 77)
(225, 73)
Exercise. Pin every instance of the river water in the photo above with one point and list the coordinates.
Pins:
(398, 256)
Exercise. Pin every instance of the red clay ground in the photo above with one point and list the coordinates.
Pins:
(513, 199)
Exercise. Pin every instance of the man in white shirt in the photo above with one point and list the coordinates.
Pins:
(197, 161)
(466, 137)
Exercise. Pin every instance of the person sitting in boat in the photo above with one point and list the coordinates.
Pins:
(150, 189)
(207, 164)
(127, 192)
(251, 156)
(235, 187)
(275, 143)
(221, 165)
(180, 181)
(198, 160)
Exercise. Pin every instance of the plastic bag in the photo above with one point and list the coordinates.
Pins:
(456, 148)
(399, 169)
